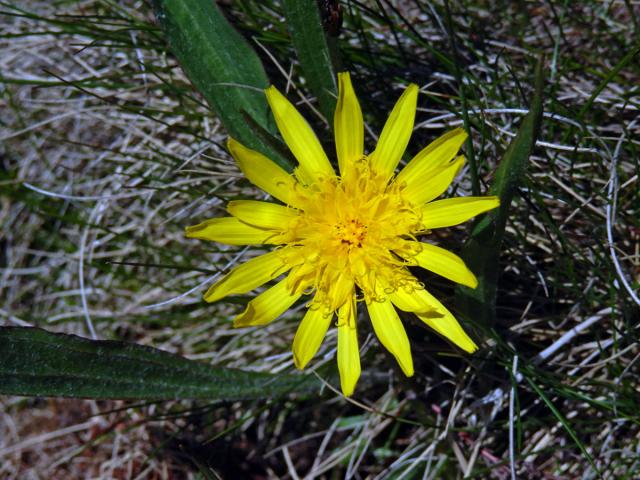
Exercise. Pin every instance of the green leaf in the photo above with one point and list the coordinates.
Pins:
(481, 253)
(40, 363)
(611, 74)
(310, 42)
(222, 66)
(565, 424)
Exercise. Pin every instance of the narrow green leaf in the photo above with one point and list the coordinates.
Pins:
(310, 42)
(611, 74)
(222, 66)
(470, 151)
(39, 363)
(481, 253)
(564, 423)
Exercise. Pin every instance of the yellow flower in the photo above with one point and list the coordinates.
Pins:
(347, 239)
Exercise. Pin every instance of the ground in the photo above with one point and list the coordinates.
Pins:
(107, 153)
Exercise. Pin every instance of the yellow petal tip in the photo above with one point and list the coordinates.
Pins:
(189, 231)
(207, 298)
(271, 91)
(232, 206)
(458, 132)
(347, 393)
(297, 361)
(348, 387)
(232, 145)
(213, 294)
(468, 345)
(244, 318)
(407, 366)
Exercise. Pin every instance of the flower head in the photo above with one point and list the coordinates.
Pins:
(349, 239)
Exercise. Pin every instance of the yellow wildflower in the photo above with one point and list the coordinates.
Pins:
(347, 239)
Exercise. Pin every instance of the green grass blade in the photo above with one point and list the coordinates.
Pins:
(482, 251)
(611, 74)
(564, 423)
(39, 363)
(221, 65)
(308, 38)
(470, 150)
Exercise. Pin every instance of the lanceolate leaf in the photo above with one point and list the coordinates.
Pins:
(482, 251)
(307, 35)
(39, 363)
(222, 66)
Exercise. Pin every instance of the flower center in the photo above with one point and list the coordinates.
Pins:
(351, 233)
(351, 230)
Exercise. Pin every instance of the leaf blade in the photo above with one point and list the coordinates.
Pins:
(40, 363)
(310, 43)
(481, 253)
(222, 66)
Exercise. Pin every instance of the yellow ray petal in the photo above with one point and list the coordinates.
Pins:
(410, 301)
(433, 186)
(431, 159)
(267, 306)
(341, 289)
(435, 315)
(347, 124)
(348, 352)
(445, 263)
(253, 273)
(299, 137)
(391, 333)
(396, 133)
(230, 231)
(453, 211)
(310, 334)
(262, 214)
(263, 173)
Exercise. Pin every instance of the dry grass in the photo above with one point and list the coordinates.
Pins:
(106, 154)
